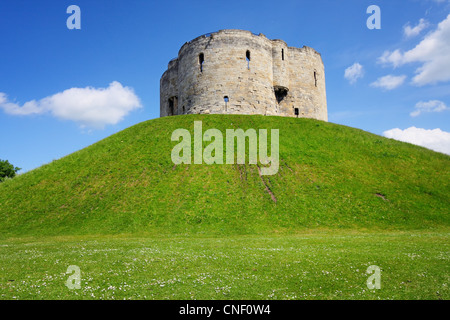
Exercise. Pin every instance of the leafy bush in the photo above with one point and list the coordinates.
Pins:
(7, 170)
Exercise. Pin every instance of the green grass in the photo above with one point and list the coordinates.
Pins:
(329, 177)
(140, 227)
(312, 266)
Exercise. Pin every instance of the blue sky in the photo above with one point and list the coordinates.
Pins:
(398, 77)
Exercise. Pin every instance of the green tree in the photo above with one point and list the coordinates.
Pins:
(7, 170)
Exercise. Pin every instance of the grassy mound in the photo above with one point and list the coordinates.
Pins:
(330, 176)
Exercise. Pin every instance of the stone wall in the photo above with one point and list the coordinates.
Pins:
(236, 71)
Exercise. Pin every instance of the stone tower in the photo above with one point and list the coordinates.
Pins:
(238, 72)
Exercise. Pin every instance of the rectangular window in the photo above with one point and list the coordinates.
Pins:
(201, 60)
(247, 57)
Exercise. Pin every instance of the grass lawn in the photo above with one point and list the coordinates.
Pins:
(330, 177)
(317, 265)
(140, 227)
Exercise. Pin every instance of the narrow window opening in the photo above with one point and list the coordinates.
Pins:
(201, 60)
(296, 112)
(315, 78)
(282, 54)
(247, 57)
(226, 102)
(183, 110)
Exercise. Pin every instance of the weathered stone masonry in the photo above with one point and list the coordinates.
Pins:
(238, 72)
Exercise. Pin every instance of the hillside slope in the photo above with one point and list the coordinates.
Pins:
(330, 176)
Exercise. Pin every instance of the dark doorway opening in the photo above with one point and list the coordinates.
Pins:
(173, 104)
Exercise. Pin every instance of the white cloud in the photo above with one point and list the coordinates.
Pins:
(433, 52)
(29, 107)
(428, 106)
(435, 139)
(416, 30)
(354, 72)
(89, 107)
(389, 82)
(395, 58)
